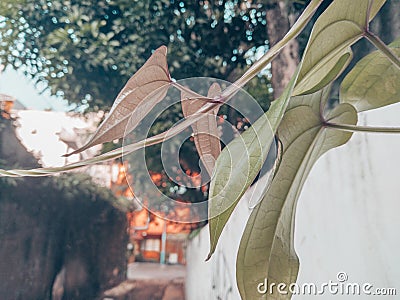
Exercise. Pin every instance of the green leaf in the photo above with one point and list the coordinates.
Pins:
(266, 250)
(239, 163)
(233, 177)
(327, 53)
(373, 82)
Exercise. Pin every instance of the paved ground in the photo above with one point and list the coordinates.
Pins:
(155, 271)
(150, 281)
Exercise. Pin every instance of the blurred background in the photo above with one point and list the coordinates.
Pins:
(80, 235)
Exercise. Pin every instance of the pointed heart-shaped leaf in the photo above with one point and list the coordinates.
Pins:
(327, 52)
(266, 250)
(147, 87)
(239, 163)
(205, 130)
(373, 82)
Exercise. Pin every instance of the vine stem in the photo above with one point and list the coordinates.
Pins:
(263, 62)
(379, 44)
(367, 129)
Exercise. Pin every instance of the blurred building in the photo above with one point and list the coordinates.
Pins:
(153, 238)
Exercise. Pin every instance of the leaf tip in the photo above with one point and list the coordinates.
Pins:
(208, 256)
(162, 49)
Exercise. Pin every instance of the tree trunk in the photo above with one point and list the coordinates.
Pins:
(284, 65)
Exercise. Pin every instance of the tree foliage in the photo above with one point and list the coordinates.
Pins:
(86, 51)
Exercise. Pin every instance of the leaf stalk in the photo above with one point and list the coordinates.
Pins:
(379, 44)
(367, 129)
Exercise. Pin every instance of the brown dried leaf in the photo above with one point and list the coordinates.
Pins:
(150, 82)
(205, 130)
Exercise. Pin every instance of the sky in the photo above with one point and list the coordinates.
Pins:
(15, 84)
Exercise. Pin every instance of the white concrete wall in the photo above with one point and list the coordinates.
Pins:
(348, 220)
(215, 279)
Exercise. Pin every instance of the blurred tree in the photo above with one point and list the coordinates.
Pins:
(63, 227)
(279, 19)
(86, 51)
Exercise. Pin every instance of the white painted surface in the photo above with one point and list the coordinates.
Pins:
(348, 220)
(215, 279)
